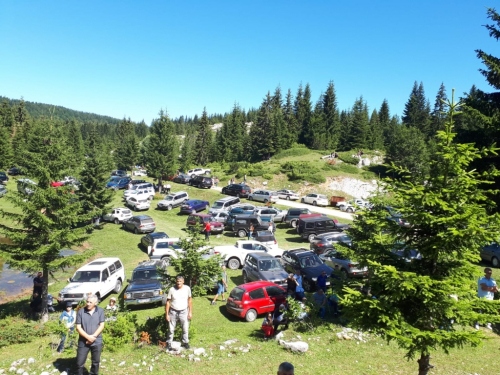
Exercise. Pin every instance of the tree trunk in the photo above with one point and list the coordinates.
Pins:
(423, 364)
(44, 315)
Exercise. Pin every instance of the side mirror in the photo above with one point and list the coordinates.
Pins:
(70, 280)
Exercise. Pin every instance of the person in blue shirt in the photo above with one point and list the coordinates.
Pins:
(68, 318)
(299, 290)
(321, 281)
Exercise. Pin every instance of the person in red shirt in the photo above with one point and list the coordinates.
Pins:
(207, 230)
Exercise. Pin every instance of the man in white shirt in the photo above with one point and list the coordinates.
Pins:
(179, 308)
(486, 288)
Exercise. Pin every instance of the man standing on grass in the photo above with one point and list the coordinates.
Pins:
(89, 324)
(286, 368)
(221, 285)
(179, 308)
(486, 288)
(208, 227)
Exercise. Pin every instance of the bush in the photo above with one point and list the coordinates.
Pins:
(157, 328)
(296, 150)
(348, 168)
(267, 176)
(119, 332)
(347, 157)
(17, 330)
(299, 170)
(315, 178)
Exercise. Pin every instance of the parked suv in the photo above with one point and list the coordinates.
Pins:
(117, 183)
(119, 173)
(193, 205)
(340, 262)
(263, 196)
(140, 224)
(242, 224)
(198, 171)
(276, 215)
(144, 189)
(201, 181)
(118, 215)
(146, 285)
(173, 200)
(312, 226)
(100, 277)
(201, 219)
(327, 241)
(223, 204)
(262, 266)
(3, 178)
(309, 264)
(238, 190)
(138, 203)
(292, 216)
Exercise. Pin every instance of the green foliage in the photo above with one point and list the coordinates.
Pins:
(18, 331)
(348, 168)
(127, 153)
(417, 111)
(267, 176)
(157, 328)
(449, 224)
(296, 150)
(203, 140)
(119, 332)
(347, 157)
(311, 323)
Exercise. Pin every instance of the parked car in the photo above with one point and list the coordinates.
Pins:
(118, 215)
(309, 264)
(198, 171)
(138, 203)
(139, 224)
(268, 239)
(150, 238)
(350, 203)
(309, 228)
(201, 181)
(326, 241)
(237, 210)
(242, 224)
(224, 204)
(235, 255)
(201, 219)
(117, 183)
(165, 249)
(289, 195)
(262, 266)
(146, 284)
(276, 215)
(172, 200)
(263, 196)
(220, 217)
(26, 186)
(3, 190)
(119, 173)
(293, 214)
(14, 171)
(315, 199)
(182, 179)
(99, 277)
(238, 190)
(3, 178)
(253, 299)
(193, 205)
(491, 253)
(140, 172)
(353, 206)
(140, 189)
(137, 182)
(396, 216)
(335, 259)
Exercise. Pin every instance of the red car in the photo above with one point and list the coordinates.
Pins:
(215, 227)
(255, 298)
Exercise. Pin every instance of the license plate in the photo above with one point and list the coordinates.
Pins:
(145, 300)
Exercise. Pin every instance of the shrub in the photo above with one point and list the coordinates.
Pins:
(119, 332)
(267, 176)
(15, 330)
(296, 150)
(348, 168)
(347, 157)
(315, 178)
(299, 170)
(157, 328)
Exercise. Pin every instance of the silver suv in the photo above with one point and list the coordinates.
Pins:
(173, 200)
(263, 266)
(139, 224)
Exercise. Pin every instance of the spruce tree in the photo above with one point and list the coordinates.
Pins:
(345, 131)
(298, 109)
(75, 143)
(187, 152)
(417, 110)
(261, 131)
(127, 152)
(359, 126)
(203, 140)
(278, 121)
(376, 132)
(331, 117)
(292, 130)
(6, 154)
(317, 138)
(48, 220)
(162, 151)
(438, 115)
(384, 118)
(7, 116)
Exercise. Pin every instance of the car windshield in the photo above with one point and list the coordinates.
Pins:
(113, 179)
(86, 277)
(217, 205)
(269, 265)
(169, 198)
(208, 218)
(310, 261)
(149, 274)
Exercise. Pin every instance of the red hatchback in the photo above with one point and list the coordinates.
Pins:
(255, 298)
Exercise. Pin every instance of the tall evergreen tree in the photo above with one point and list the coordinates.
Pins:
(203, 140)
(75, 143)
(438, 115)
(6, 154)
(331, 116)
(127, 152)
(359, 126)
(384, 118)
(7, 116)
(376, 133)
(417, 110)
(292, 129)
(187, 152)
(260, 132)
(345, 131)
(163, 150)
(316, 137)
(278, 121)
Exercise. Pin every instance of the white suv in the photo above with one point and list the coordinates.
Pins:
(315, 199)
(141, 189)
(138, 202)
(173, 200)
(118, 215)
(100, 277)
(197, 171)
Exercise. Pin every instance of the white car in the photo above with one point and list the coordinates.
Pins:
(220, 217)
(118, 215)
(235, 255)
(138, 203)
(164, 249)
(352, 205)
(140, 173)
(100, 277)
(140, 189)
(315, 199)
(289, 195)
(277, 215)
(198, 171)
(263, 196)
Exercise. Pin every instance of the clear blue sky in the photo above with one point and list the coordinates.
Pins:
(133, 58)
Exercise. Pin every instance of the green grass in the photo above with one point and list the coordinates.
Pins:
(213, 325)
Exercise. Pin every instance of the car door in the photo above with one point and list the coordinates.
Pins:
(260, 301)
(106, 282)
(276, 294)
(251, 267)
(331, 260)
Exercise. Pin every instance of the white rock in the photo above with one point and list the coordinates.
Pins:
(19, 371)
(150, 368)
(210, 357)
(2, 370)
(12, 369)
(144, 363)
(144, 357)
(31, 360)
(55, 370)
(44, 373)
(222, 348)
(199, 351)
(299, 337)
(112, 360)
(298, 346)
(26, 373)
(121, 363)
(229, 342)
(135, 364)
(229, 355)
(48, 366)
(176, 345)
(245, 350)
(197, 359)
(103, 360)
(279, 336)
(183, 356)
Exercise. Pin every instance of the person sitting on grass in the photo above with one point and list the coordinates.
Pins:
(280, 318)
(267, 326)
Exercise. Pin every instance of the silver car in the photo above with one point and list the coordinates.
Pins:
(263, 196)
(339, 262)
(220, 217)
(491, 253)
(263, 266)
(276, 215)
(289, 195)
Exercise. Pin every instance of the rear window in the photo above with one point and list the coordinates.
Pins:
(147, 221)
(265, 238)
(217, 205)
(126, 211)
(143, 201)
(237, 294)
(322, 196)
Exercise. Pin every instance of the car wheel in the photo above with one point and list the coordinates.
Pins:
(287, 197)
(314, 203)
(166, 260)
(117, 221)
(350, 210)
(245, 278)
(302, 200)
(307, 285)
(233, 263)
(242, 233)
(251, 315)
(237, 195)
(118, 287)
(136, 231)
(169, 207)
(494, 262)
(265, 201)
(293, 223)
(311, 237)
(250, 198)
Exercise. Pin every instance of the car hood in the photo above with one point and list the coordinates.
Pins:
(143, 285)
(274, 275)
(316, 271)
(73, 288)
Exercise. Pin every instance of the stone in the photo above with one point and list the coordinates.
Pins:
(26, 373)
(199, 351)
(55, 370)
(222, 348)
(2, 370)
(135, 364)
(176, 345)
(279, 336)
(19, 371)
(298, 346)
(121, 363)
(144, 363)
(12, 369)
(197, 359)
(150, 368)
(31, 360)
(64, 373)
(44, 373)
(230, 342)
(245, 350)
(103, 360)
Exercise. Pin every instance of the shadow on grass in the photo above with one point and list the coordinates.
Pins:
(232, 318)
(18, 307)
(69, 365)
(295, 240)
(237, 280)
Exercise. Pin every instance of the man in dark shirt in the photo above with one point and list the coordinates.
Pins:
(89, 324)
(291, 285)
(321, 281)
(38, 283)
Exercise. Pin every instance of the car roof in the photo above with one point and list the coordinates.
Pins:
(156, 234)
(143, 217)
(256, 285)
(330, 234)
(246, 216)
(261, 255)
(316, 218)
(300, 251)
(100, 262)
(225, 199)
(149, 264)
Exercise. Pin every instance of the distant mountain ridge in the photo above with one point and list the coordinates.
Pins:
(38, 110)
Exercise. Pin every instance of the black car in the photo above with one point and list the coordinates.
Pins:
(309, 264)
(201, 181)
(310, 227)
(293, 214)
(327, 241)
(238, 190)
(242, 224)
(3, 178)
(14, 171)
(150, 238)
(182, 179)
(146, 285)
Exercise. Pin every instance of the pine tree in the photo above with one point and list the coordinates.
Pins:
(331, 116)
(187, 152)
(384, 118)
(127, 152)
(345, 131)
(75, 143)
(7, 116)
(292, 130)
(303, 111)
(163, 151)
(376, 132)
(6, 154)
(260, 132)
(438, 115)
(417, 110)
(359, 125)
(48, 220)
(317, 138)
(429, 303)
(203, 140)
(278, 121)
(21, 131)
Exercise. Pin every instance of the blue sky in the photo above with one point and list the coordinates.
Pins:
(133, 58)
